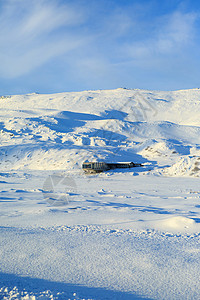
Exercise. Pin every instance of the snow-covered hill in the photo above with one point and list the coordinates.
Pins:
(122, 234)
(60, 131)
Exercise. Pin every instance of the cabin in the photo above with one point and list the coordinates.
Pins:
(97, 167)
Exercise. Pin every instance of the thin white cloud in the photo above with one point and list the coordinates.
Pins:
(29, 34)
(178, 32)
(173, 33)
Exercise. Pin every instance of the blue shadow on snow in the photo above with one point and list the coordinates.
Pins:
(66, 290)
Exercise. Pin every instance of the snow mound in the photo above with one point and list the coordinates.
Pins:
(178, 224)
(186, 166)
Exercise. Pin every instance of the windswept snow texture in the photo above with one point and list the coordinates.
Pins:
(122, 234)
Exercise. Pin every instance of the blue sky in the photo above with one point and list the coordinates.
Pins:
(55, 46)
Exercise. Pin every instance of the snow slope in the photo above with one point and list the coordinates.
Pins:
(61, 131)
(122, 234)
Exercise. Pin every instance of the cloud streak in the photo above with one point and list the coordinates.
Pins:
(172, 34)
(30, 34)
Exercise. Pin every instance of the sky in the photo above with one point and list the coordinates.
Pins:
(51, 46)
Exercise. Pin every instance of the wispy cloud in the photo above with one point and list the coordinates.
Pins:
(32, 32)
(171, 33)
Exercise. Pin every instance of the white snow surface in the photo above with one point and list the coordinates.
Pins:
(122, 234)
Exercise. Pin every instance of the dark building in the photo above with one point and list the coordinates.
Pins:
(97, 167)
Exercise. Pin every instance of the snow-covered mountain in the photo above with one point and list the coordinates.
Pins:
(60, 131)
